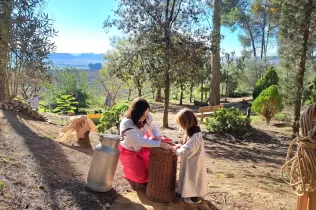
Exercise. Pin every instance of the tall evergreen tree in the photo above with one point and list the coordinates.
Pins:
(296, 36)
(215, 98)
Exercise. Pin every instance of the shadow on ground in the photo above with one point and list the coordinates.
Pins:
(264, 147)
(59, 176)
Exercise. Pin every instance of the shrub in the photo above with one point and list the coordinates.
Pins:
(239, 93)
(230, 121)
(268, 103)
(284, 117)
(269, 78)
(309, 96)
(111, 117)
(66, 104)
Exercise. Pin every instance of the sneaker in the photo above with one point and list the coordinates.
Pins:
(193, 200)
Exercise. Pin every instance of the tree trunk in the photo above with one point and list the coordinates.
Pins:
(191, 90)
(216, 38)
(158, 96)
(267, 40)
(263, 38)
(167, 75)
(129, 94)
(302, 66)
(139, 92)
(226, 91)
(202, 91)
(2, 87)
(226, 85)
(252, 39)
(181, 94)
(5, 24)
(85, 141)
(166, 107)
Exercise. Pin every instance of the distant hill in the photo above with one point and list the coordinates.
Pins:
(79, 61)
(83, 60)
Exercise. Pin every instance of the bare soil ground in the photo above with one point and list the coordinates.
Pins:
(40, 173)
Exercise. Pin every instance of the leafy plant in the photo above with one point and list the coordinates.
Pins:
(310, 93)
(67, 80)
(228, 121)
(284, 117)
(268, 103)
(111, 117)
(66, 104)
(269, 78)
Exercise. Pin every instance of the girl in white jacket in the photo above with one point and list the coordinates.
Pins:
(192, 183)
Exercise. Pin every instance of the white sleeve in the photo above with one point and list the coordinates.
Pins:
(133, 138)
(152, 125)
(189, 147)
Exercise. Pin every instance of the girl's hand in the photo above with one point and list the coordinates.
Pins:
(177, 146)
(156, 138)
(167, 147)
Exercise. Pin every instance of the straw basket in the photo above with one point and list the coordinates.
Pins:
(162, 176)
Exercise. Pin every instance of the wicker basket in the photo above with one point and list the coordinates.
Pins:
(162, 176)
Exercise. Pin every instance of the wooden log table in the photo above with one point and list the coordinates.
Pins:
(162, 176)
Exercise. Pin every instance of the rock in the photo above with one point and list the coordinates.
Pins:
(107, 205)
(83, 193)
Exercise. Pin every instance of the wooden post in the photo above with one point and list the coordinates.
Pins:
(248, 112)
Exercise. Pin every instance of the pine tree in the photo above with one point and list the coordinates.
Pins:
(296, 35)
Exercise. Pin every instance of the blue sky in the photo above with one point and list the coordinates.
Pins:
(80, 22)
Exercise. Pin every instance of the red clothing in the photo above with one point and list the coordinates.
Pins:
(136, 164)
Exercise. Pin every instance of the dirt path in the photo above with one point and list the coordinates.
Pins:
(244, 174)
(40, 173)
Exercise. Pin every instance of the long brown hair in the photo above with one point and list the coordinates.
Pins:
(187, 121)
(136, 110)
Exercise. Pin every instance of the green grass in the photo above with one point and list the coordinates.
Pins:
(219, 176)
(2, 185)
(257, 119)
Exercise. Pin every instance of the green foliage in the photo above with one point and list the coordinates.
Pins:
(310, 93)
(239, 93)
(257, 119)
(269, 78)
(65, 81)
(111, 117)
(253, 70)
(284, 117)
(65, 104)
(268, 103)
(228, 121)
(231, 72)
(256, 20)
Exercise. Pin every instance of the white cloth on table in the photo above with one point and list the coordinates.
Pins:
(133, 137)
(193, 175)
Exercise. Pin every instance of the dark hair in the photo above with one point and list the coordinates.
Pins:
(136, 110)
